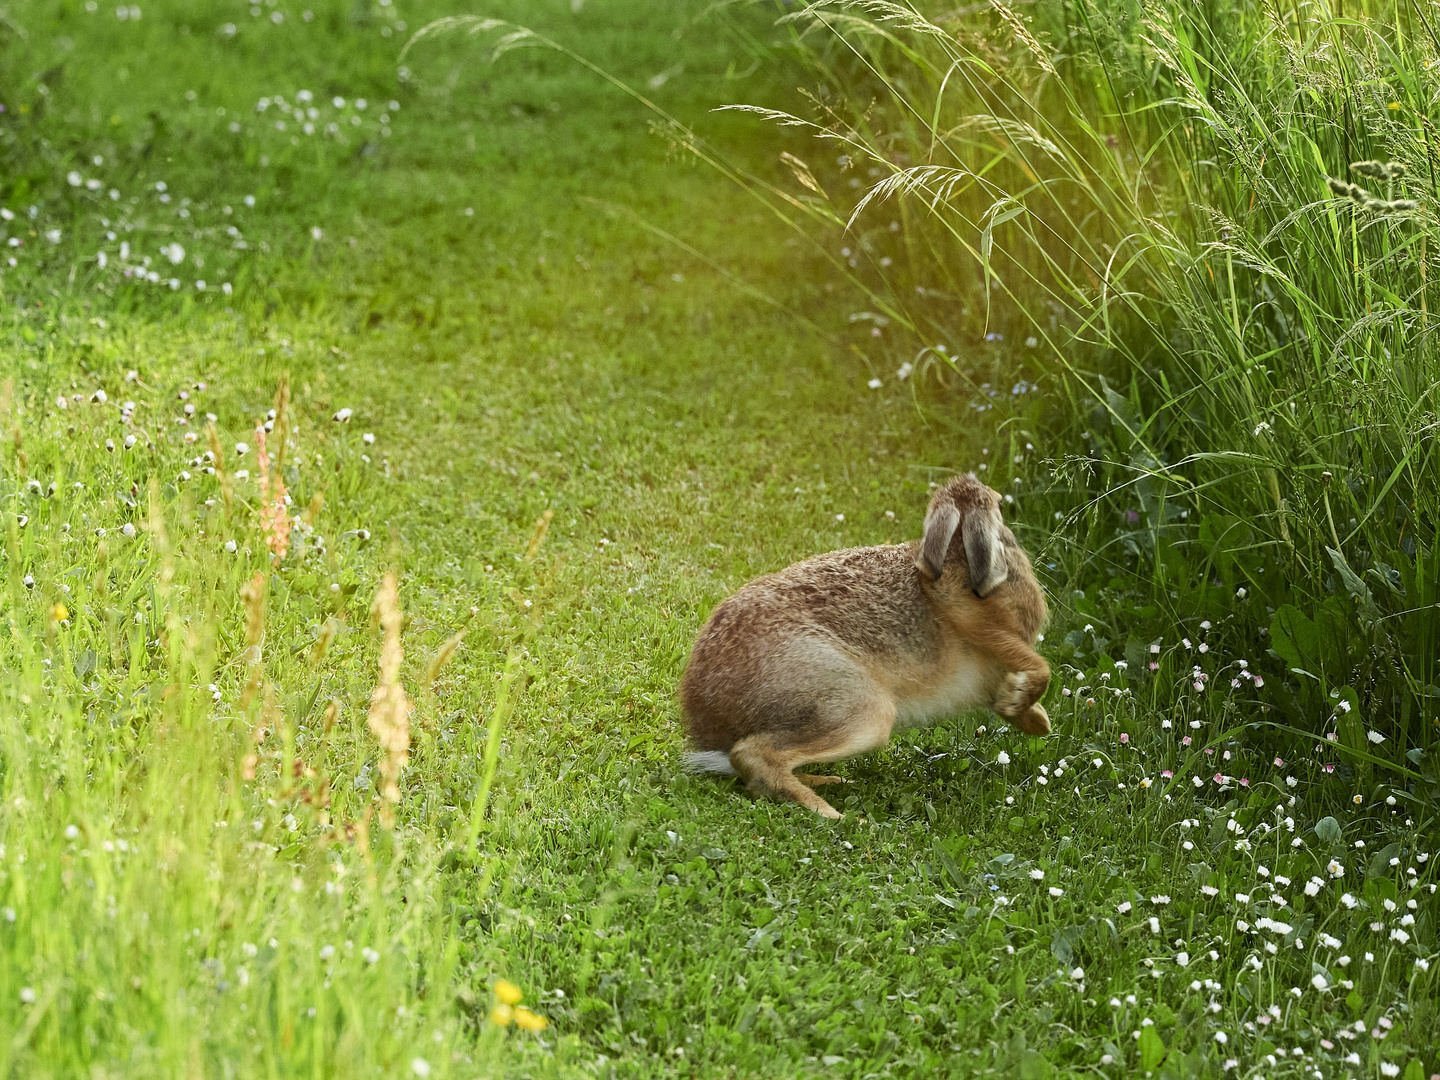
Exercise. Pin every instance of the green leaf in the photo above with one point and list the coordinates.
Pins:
(948, 863)
(1224, 537)
(1062, 948)
(1300, 931)
(1337, 630)
(1328, 830)
(1365, 607)
(1218, 830)
(1152, 1048)
(84, 663)
(1137, 655)
(1034, 1067)
(1380, 864)
(1122, 413)
(1295, 638)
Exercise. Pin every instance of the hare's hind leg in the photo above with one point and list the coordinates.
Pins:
(768, 761)
(769, 769)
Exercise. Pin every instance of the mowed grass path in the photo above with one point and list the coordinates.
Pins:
(686, 438)
(516, 350)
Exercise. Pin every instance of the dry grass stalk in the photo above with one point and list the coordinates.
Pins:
(541, 528)
(442, 657)
(282, 421)
(803, 174)
(270, 719)
(389, 707)
(252, 596)
(274, 520)
(324, 641)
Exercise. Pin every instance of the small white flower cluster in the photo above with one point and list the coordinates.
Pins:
(338, 119)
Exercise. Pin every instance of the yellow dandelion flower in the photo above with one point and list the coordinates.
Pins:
(530, 1021)
(501, 1015)
(1394, 106)
(508, 992)
(59, 613)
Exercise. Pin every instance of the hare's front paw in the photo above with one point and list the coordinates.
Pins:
(1017, 695)
(1034, 721)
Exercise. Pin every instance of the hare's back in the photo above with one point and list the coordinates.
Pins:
(868, 598)
(859, 599)
(811, 633)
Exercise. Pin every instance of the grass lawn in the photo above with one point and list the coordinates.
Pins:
(569, 439)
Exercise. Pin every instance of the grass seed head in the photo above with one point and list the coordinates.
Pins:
(274, 519)
(252, 596)
(442, 657)
(282, 420)
(542, 526)
(1379, 170)
(323, 641)
(1347, 190)
(1024, 36)
(389, 716)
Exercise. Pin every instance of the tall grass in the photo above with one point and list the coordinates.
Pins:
(191, 877)
(1157, 199)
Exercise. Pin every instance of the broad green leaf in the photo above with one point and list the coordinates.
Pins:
(949, 864)
(1295, 638)
(1034, 1067)
(1365, 607)
(1062, 948)
(1152, 1048)
(1380, 864)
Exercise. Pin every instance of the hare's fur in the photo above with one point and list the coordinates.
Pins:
(823, 660)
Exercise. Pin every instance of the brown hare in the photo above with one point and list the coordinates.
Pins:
(822, 660)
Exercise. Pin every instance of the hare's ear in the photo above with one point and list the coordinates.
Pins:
(983, 556)
(940, 525)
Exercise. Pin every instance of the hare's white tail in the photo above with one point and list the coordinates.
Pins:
(709, 761)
